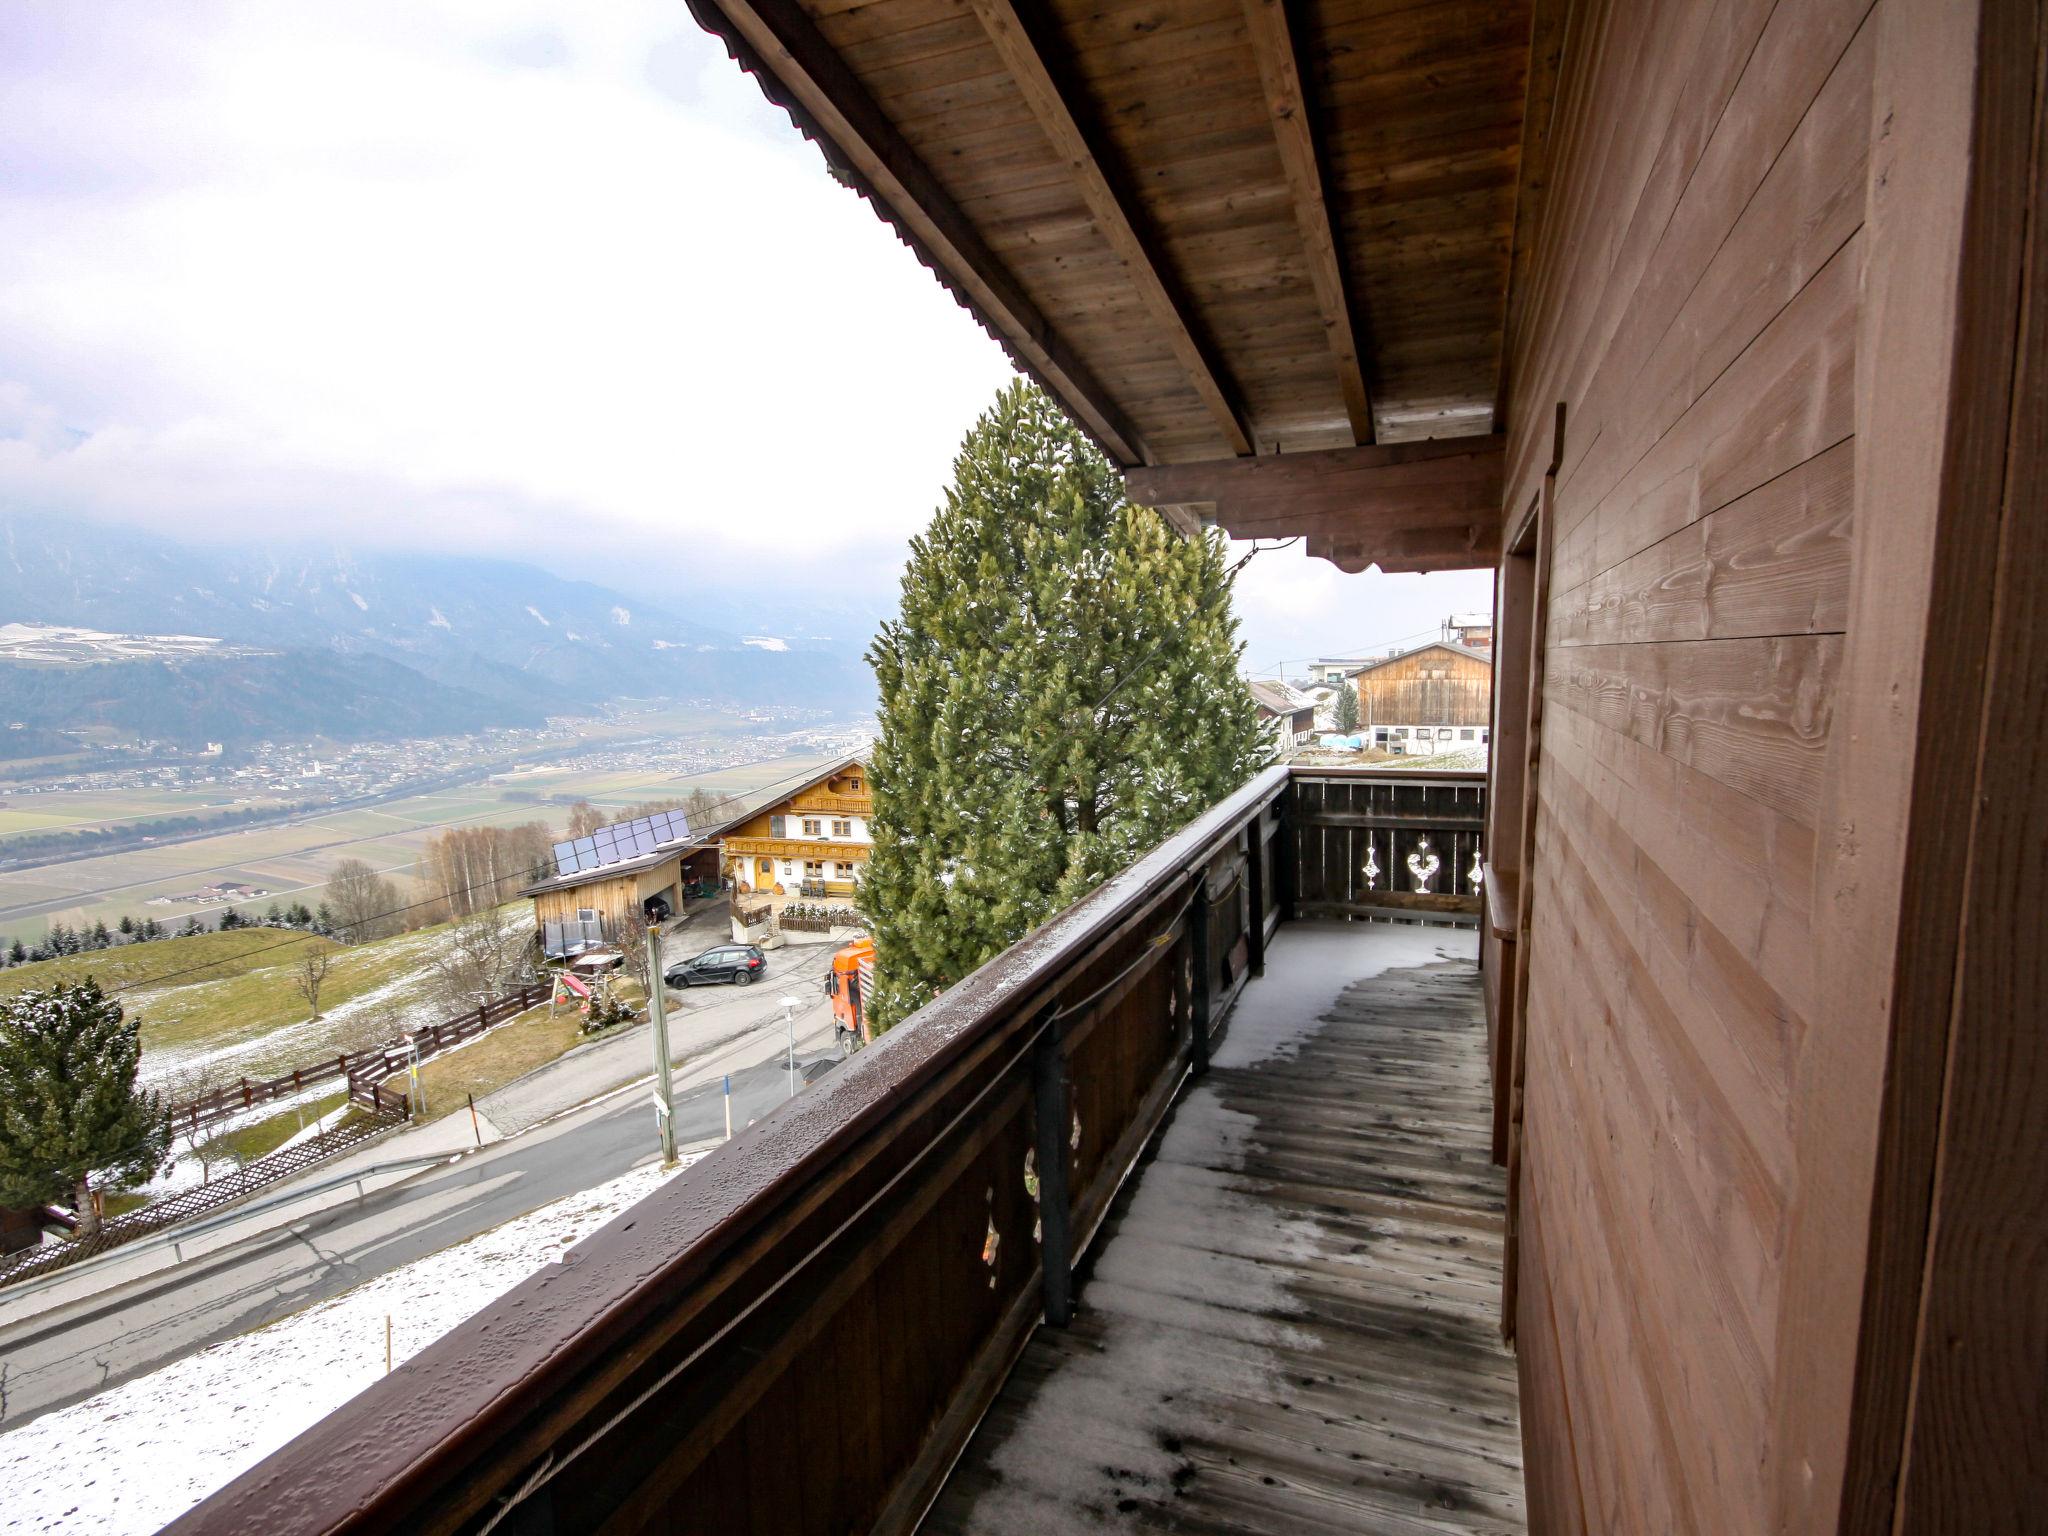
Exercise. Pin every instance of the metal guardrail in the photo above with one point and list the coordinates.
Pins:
(851, 1277)
(118, 1231)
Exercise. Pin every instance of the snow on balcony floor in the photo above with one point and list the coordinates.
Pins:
(1292, 1323)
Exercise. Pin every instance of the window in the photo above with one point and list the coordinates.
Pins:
(813, 827)
(1401, 730)
(1483, 733)
(814, 869)
(788, 869)
(842, 829)
(586, 914)
(1443, 733)
(1464, 735)
(853, 786)
(766, 866)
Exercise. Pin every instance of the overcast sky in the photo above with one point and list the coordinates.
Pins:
(548, 280)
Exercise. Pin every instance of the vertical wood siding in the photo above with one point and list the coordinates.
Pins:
(1693, 301)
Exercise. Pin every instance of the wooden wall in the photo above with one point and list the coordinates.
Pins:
(1434, 686)
(1692, 298)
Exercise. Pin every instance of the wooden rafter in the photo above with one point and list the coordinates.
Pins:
(806, 75)
(1113, 219)
(1432, 505)
(1272, 41)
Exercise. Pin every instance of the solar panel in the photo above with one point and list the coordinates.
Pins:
(620, 841)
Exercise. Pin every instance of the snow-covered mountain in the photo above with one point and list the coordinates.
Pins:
(495, 628)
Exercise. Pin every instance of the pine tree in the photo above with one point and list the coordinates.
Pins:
(1344, 714)
(230, 918)
(17, 953)
(127, 925)
(193, 927)
(151, 928)
(1059, 693)
(272, 917)
(69, 1106)
(100, 938)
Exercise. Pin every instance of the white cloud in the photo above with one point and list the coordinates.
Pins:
(442, 273)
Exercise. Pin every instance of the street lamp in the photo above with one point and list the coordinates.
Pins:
(789, 1008)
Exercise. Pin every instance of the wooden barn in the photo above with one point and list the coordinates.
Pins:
(1704, 1189)
(1444, 688)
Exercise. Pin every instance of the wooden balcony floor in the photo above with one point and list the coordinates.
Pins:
(1291, 1324)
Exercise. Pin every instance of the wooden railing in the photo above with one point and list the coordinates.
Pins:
(813, 1318)
(1399, 847)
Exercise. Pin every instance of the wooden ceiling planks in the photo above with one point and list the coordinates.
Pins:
(1180, 214)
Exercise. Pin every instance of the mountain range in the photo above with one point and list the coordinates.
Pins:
(361, 645)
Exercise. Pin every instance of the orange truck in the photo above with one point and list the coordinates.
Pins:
(848, 984)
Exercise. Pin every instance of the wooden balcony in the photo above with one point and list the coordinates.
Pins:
(1185, 1201)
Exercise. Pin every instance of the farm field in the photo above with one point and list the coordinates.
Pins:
(80, 810)
(290, 861)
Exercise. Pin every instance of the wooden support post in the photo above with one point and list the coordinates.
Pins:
(1049, 1094)
(1201, 1003)
(1255, 881)
(1287, 853)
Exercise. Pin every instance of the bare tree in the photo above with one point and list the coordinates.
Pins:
(584, 819)
(309, 975)
(363, 903)
(629, 933)
(483, 956)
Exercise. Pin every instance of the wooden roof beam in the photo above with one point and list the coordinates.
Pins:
(1272, 41)
(1432, 505)
(1113, 220)
(802, 73)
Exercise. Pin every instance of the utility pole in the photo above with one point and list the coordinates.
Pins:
(656, 910)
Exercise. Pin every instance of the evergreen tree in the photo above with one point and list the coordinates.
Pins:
(230, 918)
(127, 925)
(193, 927)
(1344, 713)
(69, 1106)
(1059, 693)
(101, 938)
(272, 917)
(17, 953)
(151, 928)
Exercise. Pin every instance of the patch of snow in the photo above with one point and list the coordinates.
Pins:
(621, 616)
(765, 642)
(538, 615)
(439, 620)
(140, 1454)
(357, 599)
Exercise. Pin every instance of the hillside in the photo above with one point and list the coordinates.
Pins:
(218, 1006)
(197, 958)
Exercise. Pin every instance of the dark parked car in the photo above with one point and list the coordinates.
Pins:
(736, 963)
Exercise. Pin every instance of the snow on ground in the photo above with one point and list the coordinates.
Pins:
(140, 1454)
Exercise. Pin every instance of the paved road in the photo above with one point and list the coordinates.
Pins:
(71, 1353)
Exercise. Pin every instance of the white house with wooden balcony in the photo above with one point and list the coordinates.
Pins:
(811, 844)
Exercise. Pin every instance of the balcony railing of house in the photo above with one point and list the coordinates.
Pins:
(824, 1308)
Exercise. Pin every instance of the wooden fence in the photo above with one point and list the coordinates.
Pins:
(373, 1068)
(183, 1206)
(368, 1068)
